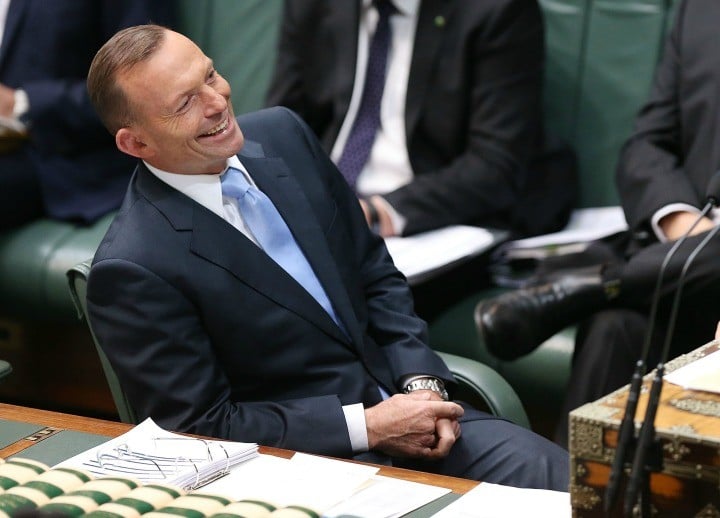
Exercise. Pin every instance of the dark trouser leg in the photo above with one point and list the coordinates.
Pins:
(606, 349)
(20, 196)
(497, 451)
(609, 345)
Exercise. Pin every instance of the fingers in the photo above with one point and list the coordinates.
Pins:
(413, 425)
(446, 409)
(446, 436)
(384, 219)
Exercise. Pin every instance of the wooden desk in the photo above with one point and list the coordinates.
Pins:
(113, 429)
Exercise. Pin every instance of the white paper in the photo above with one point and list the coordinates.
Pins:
(314, 482)
(387, 497)
(419, 255)
(584, 225)
(702, 374)
(149, 454)
(495, 501)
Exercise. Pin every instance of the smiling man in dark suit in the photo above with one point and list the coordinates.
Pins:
(210, 327)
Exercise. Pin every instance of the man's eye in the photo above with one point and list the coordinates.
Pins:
(184, 104)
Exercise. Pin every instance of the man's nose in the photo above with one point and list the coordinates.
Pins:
(214, 101)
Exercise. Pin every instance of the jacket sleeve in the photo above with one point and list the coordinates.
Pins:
(497, 132)
(61, 117)
(650, 173)
(164, 359)
(384, 307)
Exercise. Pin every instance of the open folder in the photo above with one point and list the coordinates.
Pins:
(151, 454)
(425, 255)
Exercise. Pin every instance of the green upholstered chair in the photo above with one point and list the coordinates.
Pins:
(77, 278)
(5, 369)
(477, 383)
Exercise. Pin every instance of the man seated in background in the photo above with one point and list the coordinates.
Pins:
(663, 175)
(240, 294)
(57, 161)
(431, 109)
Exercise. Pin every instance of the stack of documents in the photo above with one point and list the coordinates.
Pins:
(702, 374)
(585, 225)
(421, 256)
(153, 455)
(514, 263)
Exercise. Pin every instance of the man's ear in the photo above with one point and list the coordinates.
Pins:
(129, 142)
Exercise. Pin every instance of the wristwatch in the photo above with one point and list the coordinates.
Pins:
(427, 383)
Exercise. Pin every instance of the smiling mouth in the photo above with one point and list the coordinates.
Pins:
(217, 129)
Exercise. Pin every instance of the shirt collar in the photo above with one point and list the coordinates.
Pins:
(203, 188)
(406, 7)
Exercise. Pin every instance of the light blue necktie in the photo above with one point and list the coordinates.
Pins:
(273, 235)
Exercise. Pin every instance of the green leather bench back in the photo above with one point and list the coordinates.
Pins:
(240, 36)
(601, 55)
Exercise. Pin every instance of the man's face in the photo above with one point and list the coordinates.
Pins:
(184, 121)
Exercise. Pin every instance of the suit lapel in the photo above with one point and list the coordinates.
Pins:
(243, 259)
(15, 14)
(275, 180)
(431, 23)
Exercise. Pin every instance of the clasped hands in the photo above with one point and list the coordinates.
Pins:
(418, 425)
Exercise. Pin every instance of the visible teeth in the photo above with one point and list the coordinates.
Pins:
(216, 129)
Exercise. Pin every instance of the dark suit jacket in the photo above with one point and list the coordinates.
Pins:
(46, 50)
(675, 148)
(208, 335)
(473, 108)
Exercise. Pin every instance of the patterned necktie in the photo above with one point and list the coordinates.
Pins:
(367, 121)
(273, 235)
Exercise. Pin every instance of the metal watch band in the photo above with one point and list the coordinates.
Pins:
(427, 383)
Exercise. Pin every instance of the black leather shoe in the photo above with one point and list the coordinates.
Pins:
(515, 323)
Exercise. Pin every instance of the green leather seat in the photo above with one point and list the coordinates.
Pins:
(33, 262)
(76, 276)
(478, 384)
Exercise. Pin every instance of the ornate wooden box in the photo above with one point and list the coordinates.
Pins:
(688, 429)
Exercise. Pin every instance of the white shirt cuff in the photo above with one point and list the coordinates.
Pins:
(355, 419)
(666, 210)
(22, 103)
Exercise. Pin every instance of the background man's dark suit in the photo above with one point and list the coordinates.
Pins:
(208, 335)
(70, 169)
(473, 108)
(673, 153)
